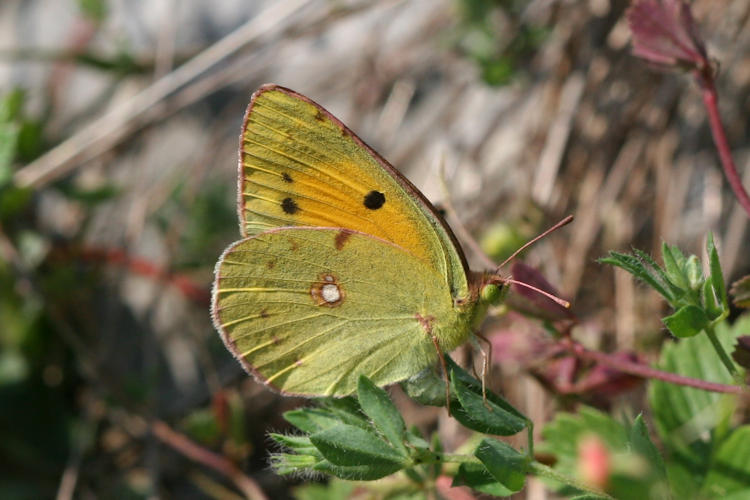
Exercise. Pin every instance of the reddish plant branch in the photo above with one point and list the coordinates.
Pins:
(144, 267)
(187, 447)
(640, 370)
(711, 101)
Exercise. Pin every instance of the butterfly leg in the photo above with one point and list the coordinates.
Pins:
(445, 372)
(486, 360)
(426, 323)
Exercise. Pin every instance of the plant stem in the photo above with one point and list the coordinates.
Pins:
(710, 100)
(217, 462)
(459, 458)
(640, 370)
(540, 469)
(530, 429)
(723, 356)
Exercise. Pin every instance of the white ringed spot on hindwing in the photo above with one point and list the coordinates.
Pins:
(327, 291)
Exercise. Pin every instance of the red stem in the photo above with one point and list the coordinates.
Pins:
(711, 100)
(187, 447)
(144, 267)
(647, 372)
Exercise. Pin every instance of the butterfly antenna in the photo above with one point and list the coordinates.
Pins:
(565, 221)
(553, 298)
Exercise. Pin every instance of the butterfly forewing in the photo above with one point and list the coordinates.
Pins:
(300, 166)
(308, 310)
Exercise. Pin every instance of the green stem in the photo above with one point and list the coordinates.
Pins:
(459, 458)
(530, 428)
(723, 356)
(539, 469)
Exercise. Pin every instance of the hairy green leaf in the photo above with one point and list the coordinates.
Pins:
(378, 406)
(503, 462)
(487, 417)
(717, 278)
(730, 466)
(687, 321)
(348, 445)
(476, 476)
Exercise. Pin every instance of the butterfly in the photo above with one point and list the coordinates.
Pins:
(344, 268)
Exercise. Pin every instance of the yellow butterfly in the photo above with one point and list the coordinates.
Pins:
(345, 269)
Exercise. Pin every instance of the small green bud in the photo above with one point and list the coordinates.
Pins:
(694, 272)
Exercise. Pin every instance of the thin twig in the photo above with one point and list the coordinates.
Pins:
(711, 101)
(640, 370)
(63, 158)
(190, 449)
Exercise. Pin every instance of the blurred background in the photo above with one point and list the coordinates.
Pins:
(119, 126)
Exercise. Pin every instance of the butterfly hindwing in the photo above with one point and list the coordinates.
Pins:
(309, 309)
(300, 166)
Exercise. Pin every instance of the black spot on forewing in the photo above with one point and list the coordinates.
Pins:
(374, 200)
(289, 206)
(286, 177)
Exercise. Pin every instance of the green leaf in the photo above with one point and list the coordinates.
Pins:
(347, 410)
(685, 417)
(636, 470)
(415, 439)
(738, 495)
(674, 265)
(426, 388)
(694, 272)
(335, 489)
(311, 420)
(299, 444)
(562, 435)
(8, 144)
(655, 475)
(636, 267)
(477, 477)
(503, 462)
(683, 480)
(490, 419)
(717, 278)
(674, 290)
(730, 466)
(687, 321)
(642, 444)
(348, 445)
(286, 463)
(378, 406)
(13, 200)
(708, 296)
(95, 10)
(475, 386)
(368, 472)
